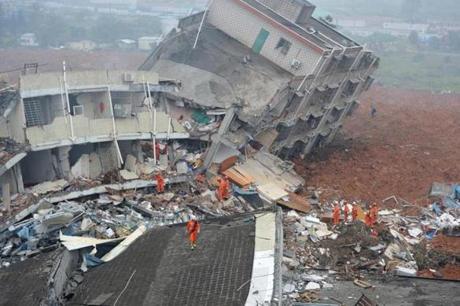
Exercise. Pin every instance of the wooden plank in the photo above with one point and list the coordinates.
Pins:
(228, 163)
(237, 178)
(296, 202)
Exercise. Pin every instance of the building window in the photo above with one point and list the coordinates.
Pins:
(78, 110)
(284, 46)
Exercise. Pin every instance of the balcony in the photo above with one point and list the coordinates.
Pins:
(142, 126)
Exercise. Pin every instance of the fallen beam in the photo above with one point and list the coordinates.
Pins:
(136, 184)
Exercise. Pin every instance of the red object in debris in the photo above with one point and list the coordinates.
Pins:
(157, 150)
(160, 183)
(101, 107)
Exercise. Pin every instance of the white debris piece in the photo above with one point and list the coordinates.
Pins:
(415, 232)
(312, 286)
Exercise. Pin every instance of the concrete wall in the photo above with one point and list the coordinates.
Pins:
(88, 130)
(243, 25)
(37, 167)
(13, 180)
(17, 123)
(4, 128)
(96, 105)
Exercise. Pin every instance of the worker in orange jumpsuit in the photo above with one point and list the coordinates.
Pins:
(222, 190)
(368, 219)
(160, 183)
(193, 229)
(346, 210)
(354, 212)
(336, 214)
(226, 190)
(374, 212)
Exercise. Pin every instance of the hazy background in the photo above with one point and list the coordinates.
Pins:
(418, 40)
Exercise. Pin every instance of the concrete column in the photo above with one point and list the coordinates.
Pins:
(6, 197)
(18, 176)
(137, 151)
(63, 161)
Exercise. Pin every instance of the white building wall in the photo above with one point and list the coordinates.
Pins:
(244, 26)
(289, 9)
(4, 128)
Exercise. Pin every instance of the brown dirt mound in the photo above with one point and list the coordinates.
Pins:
(413, 142)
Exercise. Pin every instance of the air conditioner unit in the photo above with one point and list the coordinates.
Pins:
(128, 77)
(296, 64)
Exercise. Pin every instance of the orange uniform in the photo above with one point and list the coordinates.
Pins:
(374, 212)
(336, 215)
(160, 183)
(368, 219)
(223, 189)
(346, 210)
(193, 228)
(354, 212)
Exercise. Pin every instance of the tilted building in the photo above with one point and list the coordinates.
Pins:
(290, 79)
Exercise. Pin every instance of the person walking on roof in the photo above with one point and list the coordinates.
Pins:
(193, 229)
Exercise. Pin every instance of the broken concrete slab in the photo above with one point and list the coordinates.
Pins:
(124, 244)
(48, 187)
(128, 175)
(73, 243)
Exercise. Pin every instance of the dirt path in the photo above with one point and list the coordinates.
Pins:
(413, 142)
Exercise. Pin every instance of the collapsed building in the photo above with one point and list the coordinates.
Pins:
(238, 89)
(286, 79)
(265, 73)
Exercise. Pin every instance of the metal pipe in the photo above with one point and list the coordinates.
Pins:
(66, 90)
(202, 22)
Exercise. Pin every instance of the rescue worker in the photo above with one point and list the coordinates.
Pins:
(160, 182)
(226, 191)
(354, 212)
(367, 219)
(222, 190)
(336, 214)
(374, 212)
(193, 229)
(346, 210)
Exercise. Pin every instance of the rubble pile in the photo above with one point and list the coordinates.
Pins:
(8, 149)
(318, 254)
(109, 215)
(8, 95)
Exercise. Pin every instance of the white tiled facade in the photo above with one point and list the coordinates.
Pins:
(230, 17)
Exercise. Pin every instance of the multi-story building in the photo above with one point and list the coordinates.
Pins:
(58, 117)
(291, 78)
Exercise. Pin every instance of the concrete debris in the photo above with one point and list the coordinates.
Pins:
(48, 187)
(395, 245)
